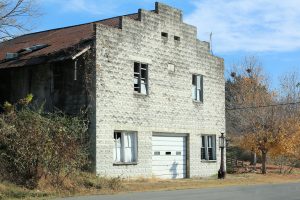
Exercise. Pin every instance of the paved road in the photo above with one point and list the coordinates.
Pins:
(289, 191)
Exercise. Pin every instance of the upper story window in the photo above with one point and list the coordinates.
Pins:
(176, 38)
(197, 88)
(208, 147)
(141, 78)
(125, 149)
(164, 34)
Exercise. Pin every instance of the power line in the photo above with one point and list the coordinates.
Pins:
(272, 105)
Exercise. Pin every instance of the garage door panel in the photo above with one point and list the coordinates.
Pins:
(168, 148)
(171, 176)
(168, 162)
(163, 153)
(169, 156)
(167, 138)
(162, 168)
(170, 143)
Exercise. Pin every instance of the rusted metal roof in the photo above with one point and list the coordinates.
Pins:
(58, 41)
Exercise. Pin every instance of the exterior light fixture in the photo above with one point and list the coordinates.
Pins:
(222, 145)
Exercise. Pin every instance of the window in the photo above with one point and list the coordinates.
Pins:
(141, 78)
(208, 147)
(163, 34)
(176, 38)
(125, 150)
(197, 89)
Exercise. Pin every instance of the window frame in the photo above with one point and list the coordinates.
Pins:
(205, 154)
(140, 76)
(197, 87)
(122, 156)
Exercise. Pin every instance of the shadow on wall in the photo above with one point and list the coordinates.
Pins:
(173, 170)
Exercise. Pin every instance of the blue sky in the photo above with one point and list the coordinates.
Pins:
(267, 29)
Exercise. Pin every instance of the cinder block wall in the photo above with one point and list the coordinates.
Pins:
(169, 106)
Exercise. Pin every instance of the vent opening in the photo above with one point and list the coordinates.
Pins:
(176, 38)
(33, 48)
(164, 34)
(10, 56)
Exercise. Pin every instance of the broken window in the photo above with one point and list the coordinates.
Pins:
(125, 149)
(141, 78)
(208, 147)
(197, 87)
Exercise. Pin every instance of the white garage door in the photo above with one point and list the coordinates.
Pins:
(169, 156)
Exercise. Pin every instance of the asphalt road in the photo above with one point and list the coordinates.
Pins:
(289, 191)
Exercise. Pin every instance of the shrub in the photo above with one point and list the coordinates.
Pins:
(35, 144)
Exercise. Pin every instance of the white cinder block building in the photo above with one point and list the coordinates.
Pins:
(159, 98)
(157, 93)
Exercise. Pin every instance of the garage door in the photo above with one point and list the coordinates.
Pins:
(169, 156)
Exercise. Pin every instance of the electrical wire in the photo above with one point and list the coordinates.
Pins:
(266, 106)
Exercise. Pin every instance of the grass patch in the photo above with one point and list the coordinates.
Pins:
(10, 191)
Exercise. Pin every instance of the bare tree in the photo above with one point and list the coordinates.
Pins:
(263, 121)
(288, 153)
(248, 89)
(289, 92)
(15, 16)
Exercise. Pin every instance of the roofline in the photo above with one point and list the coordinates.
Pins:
(54, 29)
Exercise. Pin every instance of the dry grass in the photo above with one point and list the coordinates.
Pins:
(9, 191)
(88, 184)
(231, 180)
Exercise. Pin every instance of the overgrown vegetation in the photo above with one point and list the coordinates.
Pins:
(46, 154)
(35, 145)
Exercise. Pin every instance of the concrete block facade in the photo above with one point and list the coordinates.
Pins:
(168, 107)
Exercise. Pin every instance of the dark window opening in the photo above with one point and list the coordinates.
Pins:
(117, 135)
(203, 153)
(164, 34)
(176, 38)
